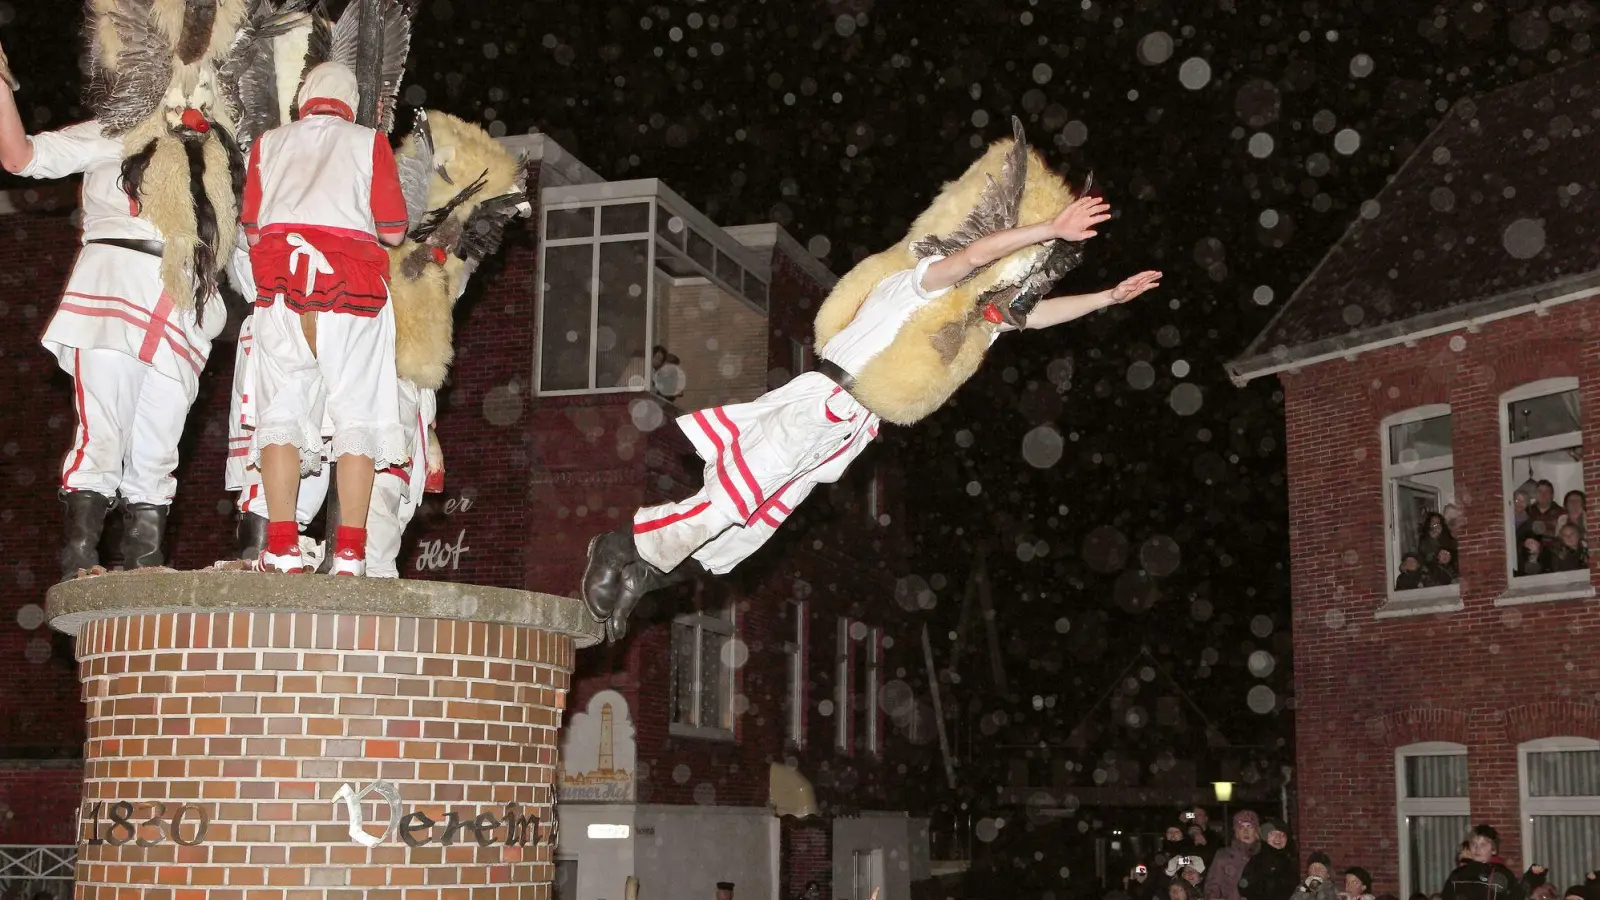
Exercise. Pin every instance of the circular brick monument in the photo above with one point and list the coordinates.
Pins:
(267, 737)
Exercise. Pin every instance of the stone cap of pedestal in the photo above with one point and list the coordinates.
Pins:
(72, 604)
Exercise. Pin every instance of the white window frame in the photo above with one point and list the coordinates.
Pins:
(797, 650)
(1422, 806)
(873, 676)
(703, 624)
(1443, 598)
(733, 267)
(843, 700)
(800, 356)
(1549, 806)
(876, 497)
(1552, 585)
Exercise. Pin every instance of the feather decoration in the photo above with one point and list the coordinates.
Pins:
(485, 229)
(436, 217)
(199, 18)
(997, 207)
(144, 68)
(392, 62)
(345, 41)
(249, 76)
(416, 169)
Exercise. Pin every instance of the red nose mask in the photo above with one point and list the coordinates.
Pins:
(993, 314)
(195, 120)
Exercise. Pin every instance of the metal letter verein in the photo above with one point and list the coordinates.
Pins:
(352, 803)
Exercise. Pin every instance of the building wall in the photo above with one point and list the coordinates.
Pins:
(722, 343)
(603, 864)
(683, 851)
(888, 833)
(1488, 676)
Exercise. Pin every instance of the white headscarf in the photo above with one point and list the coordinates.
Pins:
(331, 81)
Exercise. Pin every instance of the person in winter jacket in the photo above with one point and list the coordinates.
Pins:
(1179, 889)
(1484, 876)
(1201, 844)
(1317, 884)
(1189, 868)
(1357, 884)
(1269, 875)
(1222, 878)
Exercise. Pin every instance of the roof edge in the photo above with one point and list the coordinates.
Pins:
(1501, 306)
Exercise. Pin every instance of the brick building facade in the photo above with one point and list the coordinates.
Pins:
(1444, 358)
(806, 633)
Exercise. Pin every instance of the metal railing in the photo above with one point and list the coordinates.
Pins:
(54, 862)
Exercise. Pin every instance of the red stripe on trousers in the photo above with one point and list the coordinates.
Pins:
(722, 472)
(738, 456)
(664, 521)
(83, 418)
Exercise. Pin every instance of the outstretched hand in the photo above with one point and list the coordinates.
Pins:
(1077, 221)
(1134, 286)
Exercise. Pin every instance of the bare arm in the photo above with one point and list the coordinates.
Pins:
(16, 151)
(1075, 223)
(1057, 310)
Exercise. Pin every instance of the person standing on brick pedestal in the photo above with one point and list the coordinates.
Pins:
(133, 352)
(897, 336)
(321, 196)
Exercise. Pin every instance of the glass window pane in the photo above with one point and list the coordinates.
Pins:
(625, 218)
(564, 345)
(700, 249)
(621, 358)
(1564, 773)
(728, 270)
(1540, 514)
(681, 701)
(1546, 416)
(1566, 845)
(755, 290)
(714, 708)
(1422, 509)
(1436, 776)
(1412, 442)
(669, 227)
(569, 223)
(1433, 842)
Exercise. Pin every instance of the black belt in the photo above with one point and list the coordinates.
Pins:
(149, 248)
(837, 375)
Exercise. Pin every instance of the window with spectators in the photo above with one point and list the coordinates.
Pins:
(1560, 779)
(1546, 517)
(1431, 792)
(701, 694)
(1419, 504)
(795, 651)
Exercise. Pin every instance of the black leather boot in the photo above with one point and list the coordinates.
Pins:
(330, 529)
(641, 578)
(250, 532)
(143, 524)
(609, 554)
(86, 520)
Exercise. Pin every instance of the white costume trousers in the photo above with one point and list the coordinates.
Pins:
(396, 491)
(129, 420)
(349, 380)
(313, 493)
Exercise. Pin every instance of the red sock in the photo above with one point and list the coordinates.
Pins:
(282, 537)
(352, 539)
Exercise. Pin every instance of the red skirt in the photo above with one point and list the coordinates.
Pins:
(351, 275)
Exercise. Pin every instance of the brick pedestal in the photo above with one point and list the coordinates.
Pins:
(234, 720)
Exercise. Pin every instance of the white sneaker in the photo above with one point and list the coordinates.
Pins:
(345, 562)
(291, 563)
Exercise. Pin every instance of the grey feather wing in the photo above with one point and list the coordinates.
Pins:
(143, 69)
(249, 77)
(392, 65)
(416, 171)
(345, 45)
(997, 208)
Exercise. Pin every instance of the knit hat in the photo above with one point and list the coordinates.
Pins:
(331, 81)
(1267, 829)
(1362, 875)
(1579, 891)
(1246, 817)
(1320, 857)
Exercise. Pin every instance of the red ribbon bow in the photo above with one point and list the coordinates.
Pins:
(195, 120)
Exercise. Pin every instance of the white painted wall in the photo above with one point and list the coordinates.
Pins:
(694, 847)
(889, 832)
(603, 865)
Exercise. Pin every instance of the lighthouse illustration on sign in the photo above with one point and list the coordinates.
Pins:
(597, 753)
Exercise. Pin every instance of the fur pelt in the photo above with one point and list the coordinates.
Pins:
(166, 201)
(944, 342)
(424, 291)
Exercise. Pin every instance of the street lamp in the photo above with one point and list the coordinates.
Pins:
(1224, 791)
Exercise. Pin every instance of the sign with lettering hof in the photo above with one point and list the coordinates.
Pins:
(597, 753)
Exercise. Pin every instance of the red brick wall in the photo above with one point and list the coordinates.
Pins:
(807, 856)
(1487, 676)
(39, 802)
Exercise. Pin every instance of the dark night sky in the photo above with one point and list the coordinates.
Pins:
(1235, 140)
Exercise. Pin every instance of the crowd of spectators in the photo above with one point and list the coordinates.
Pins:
(1195, 863)
(1550, 537)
